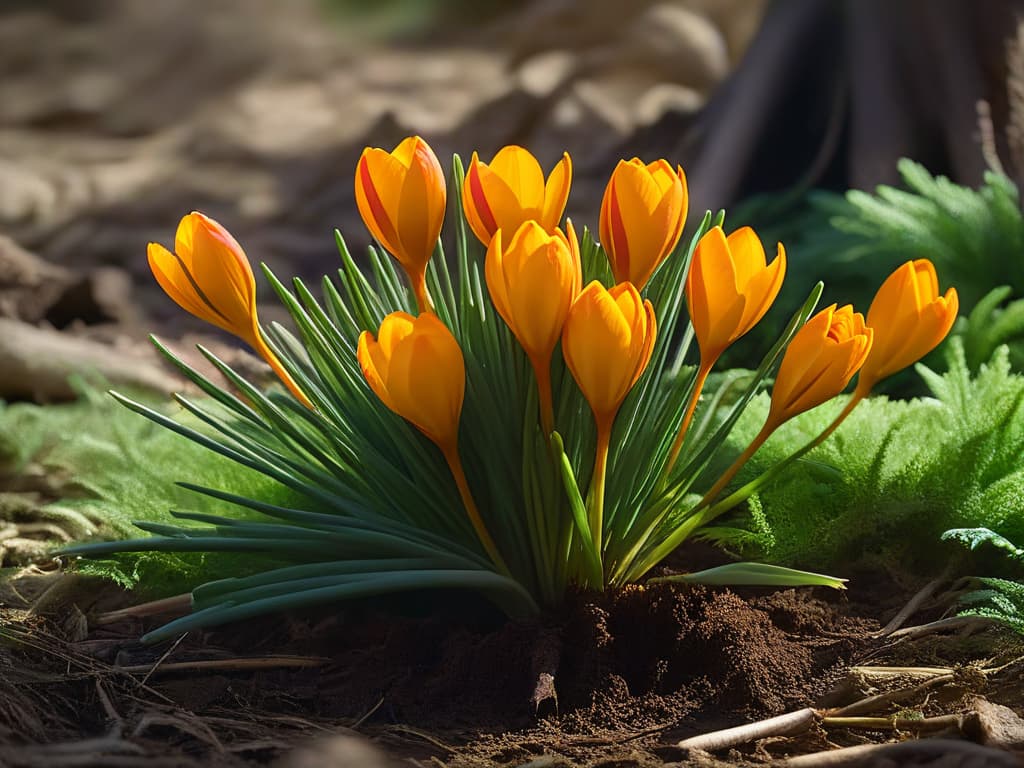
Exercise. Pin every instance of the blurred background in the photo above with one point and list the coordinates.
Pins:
(118, 117)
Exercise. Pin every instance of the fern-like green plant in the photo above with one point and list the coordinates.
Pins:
(952, 460)
(999, 599)
(974, 237)
(994, 321)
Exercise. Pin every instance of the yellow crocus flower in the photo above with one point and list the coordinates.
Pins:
(642, 216)
(401, 197)
(511, 190)
(730, 287)
(820, 361)
(533, 278)
(416, 368)
(208, 275)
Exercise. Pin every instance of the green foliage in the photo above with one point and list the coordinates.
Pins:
(1000, 599)
(853, 241)
(893, 477)
(993, 321)
(974, 237)
(110, 468)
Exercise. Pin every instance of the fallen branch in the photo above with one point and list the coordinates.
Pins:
(942, 625)
(782, 725)
(178, 605)
(911, 607)
(872, 703)
(903, 753)
(234, 665)
(37, 363)
(916, 725)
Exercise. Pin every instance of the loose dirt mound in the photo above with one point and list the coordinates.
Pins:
(610, 678)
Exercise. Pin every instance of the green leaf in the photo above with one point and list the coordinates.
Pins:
(753, 575)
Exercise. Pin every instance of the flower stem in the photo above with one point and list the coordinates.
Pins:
(739, 495)
(542, 372)
(698, 387)
(595, 498)
(263, 349)
(419, 288)
(743, 458)
(451, 455)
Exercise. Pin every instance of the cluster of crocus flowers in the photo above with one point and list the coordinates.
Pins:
(532, 268)
(907, 319)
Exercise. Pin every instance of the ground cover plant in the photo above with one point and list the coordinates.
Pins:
(437, 430)
(927, 464)
(993, 597)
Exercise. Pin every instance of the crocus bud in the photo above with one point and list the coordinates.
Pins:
(909, 318)
(416, 368)
(607, 343)
(729, 288)
(209, 276)
(401, 197)
(533, 278)
(511, 190)
(642, 217)
(819, 362)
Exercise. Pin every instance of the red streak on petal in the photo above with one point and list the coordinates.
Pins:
(380, 215)
(620, 245)
(483, 210)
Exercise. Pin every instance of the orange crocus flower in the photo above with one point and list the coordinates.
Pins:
(729, 288)
(401, 197)
(909, 318)
(511, 190)
(533, 278)
(642, 216)
(416, 368)
(209, 276)
(607, 342)
(818, 364)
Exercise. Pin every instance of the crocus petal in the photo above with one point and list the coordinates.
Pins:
(522, 175)
(478, 211)
(379, 181)
(556, 193)
(171, 275)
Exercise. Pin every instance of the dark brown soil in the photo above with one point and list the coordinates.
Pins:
(613, 678)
